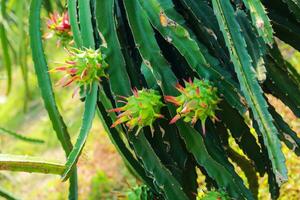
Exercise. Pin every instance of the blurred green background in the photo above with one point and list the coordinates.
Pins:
(102, 175)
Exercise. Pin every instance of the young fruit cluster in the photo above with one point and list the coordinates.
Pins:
(140, 110)
(198, 101)
(83, 67)
(59, 25)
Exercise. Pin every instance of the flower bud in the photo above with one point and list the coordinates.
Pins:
(59, 26)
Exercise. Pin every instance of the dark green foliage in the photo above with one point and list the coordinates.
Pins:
(156, 44)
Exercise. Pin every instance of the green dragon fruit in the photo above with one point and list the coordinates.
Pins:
(198, 101)
(140, 110)
(82, 67)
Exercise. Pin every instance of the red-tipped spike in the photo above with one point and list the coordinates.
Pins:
(190, 80)
(135, 92)
(215, 118)
(198, 91)
(83, 74)
(71, 62)
(179, 87)
(72, 71)
(194, 120)
(52, 20)
(122, 97)
(121, 101)
(203, 128)
(126, 113)
(62, 81)
(116, 123)
(71, 81)
(160, 116)
(204, 105)
(172, 99)
(116, 110)
(175, 119)
(62, 68)
(66, 21)
(185, 110)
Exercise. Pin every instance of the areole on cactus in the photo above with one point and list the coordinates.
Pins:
(140, 110)
(198, 101)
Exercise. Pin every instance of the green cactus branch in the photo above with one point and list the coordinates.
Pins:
(260, 20)
(41, 69)
(250, 87)
(29, 164)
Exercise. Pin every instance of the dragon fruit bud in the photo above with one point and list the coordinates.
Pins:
(82, 67)
(198, 100)
(140, 110)
(60, 26)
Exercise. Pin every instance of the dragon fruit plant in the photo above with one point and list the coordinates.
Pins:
(132, 59)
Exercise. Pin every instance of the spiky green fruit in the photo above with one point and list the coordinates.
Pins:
(83, 67)
(198, 101)
(140, 110)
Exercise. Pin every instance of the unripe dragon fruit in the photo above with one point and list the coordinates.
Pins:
(198, 101)
(140, 110)
(82, 67)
